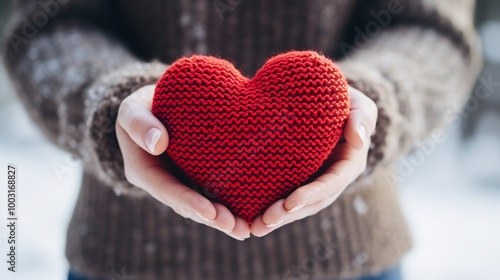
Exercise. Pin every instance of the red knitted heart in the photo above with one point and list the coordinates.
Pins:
(245, 142)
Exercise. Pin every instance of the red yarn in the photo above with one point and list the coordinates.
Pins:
(252, 142)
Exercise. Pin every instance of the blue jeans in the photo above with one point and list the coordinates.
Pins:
(390, 274)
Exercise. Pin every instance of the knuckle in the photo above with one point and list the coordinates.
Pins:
(125, 113)
(134, 125)
(122, 110)
(124, 105)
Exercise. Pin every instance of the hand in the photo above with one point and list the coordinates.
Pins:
(350, 162)
(142, 137)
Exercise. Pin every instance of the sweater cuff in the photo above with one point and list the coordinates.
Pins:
(384, 141)
(104, 157)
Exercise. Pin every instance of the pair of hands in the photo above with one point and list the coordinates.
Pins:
(142, 137)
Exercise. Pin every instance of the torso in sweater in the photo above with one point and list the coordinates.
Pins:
(245, 32)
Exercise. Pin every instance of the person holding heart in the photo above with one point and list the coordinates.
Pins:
(221, 142)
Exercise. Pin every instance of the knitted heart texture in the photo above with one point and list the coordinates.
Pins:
(247, 143)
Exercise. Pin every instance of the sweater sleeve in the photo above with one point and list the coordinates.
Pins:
(418, 60)
(71, 71)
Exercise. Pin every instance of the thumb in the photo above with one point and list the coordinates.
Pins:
(361, 121)
(136, 118)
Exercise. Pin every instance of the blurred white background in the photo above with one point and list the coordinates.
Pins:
(451, 199)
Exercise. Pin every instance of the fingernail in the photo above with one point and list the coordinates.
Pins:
(362, 133)
(204, 218)
(151, 138)
(223, 230)
(235, 237)
(275, 224)
(296, 208)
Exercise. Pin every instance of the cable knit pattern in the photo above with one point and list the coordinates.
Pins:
(248, 143)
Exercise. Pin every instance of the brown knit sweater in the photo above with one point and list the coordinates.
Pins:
(73, 61)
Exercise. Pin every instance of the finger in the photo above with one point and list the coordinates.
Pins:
(275, 214)
(258, 227)
(355, 132)
(135, 117)
(224, 221)
(362, 119)
(169, 190)
(241, 230)
(147, 172)
(273, 218)
(261, 228)
(349, 165)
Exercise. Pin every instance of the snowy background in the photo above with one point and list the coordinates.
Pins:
(451, 197)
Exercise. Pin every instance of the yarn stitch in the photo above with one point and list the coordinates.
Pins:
(247, 143)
